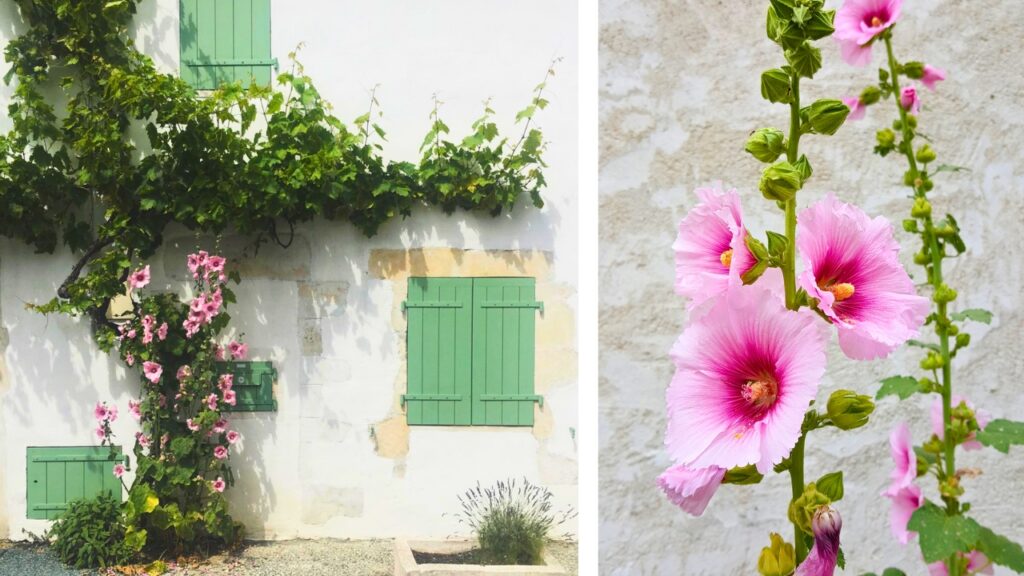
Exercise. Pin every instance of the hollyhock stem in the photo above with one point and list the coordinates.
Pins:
(789, 265)
(942, 321)
(796, 478)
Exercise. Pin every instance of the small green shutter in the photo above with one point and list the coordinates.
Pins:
(253, 383)
(439, 338)
(59, 474)
(504, 312)
(225, 41)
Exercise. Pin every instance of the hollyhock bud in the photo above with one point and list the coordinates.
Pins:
(925, 154)
(766, 144)
(801, 511)
(826, 116)
(129, 359)
(909, 99)
(778, 559)
(913, 70)
(849, 410)
(822, 559)
(780, 181)
(886, 138)
(775, 86)
(870, 95)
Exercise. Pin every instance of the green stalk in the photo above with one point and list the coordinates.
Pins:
(796, 458)
(935, 279)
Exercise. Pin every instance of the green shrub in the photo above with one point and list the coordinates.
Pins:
(512, 521)
(90, 534)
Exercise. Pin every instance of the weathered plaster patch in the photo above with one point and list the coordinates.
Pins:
(5, 384)
(555, 340)
(323, 503)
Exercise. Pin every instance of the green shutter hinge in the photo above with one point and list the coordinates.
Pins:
(406, 305)
(513, 397)
(534, 305)
(232, 62)
(449, 397)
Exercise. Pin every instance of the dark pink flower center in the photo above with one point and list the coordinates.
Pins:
(876, 19)
(842, 277)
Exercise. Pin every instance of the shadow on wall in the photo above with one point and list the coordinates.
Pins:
(151, 28)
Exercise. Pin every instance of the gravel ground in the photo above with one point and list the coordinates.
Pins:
(304, 557)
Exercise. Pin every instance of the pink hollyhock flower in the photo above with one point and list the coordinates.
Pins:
(101, 433)
(851, 266)
(216, 263)
(129, 359)
(931, 76)
(211, 401)
(904, 502)
(135, 409)
(691, 489)
(139, 278)
(131, 334)
(148, 321)
(118, 470)
(909, 100)
(152, 371)
(184, 372)
(745, 374)
(903, 457)
(711, 253)
(142, 439)
(112, 414)
(203, 258)
(821, 560)
(147, 335)
(100, 412)
(220, 452)
(217, 296)
(161, 332)
(192, 425)
(219, 484)
(982, 416)
(857, 108)
(977, 563)
(225, 381)
(197, 303)
(191, 327)
(858, 22)
(218, 352)
(193, 263)
(220, 426)
(233, 436)
(230, 397)
(238, 350)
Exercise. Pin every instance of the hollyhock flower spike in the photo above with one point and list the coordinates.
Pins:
(909, 100)
(152, 370)
(139, 278)
(691, 489)
(851, 266)
(710, 246)
(905, 501)
(982, 416)
(857, 108)
(745, 374)
(822, 559)
(858, 22)
(931, 76)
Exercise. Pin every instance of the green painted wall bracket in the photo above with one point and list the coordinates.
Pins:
(513, 397)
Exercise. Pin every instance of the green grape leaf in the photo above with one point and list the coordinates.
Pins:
(902, 386)
(1001, 434)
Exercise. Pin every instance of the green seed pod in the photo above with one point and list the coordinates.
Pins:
(766, 144)
(849, 410)
(780, 181)
(925, 154)
(922, 208)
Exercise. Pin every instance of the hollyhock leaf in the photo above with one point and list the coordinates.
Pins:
(181, 446)
(1001, 434)
(949, 168)
(975, 314)
(942, 535)
(1001, 549)
(841, 559)
(926, 345)
(902, 386)
(831, 485)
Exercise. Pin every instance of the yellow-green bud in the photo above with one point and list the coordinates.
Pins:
(921, 259)
(925, 154)
(775, 86)
(963, 340)
(778, 559)
(780, 181)
(953, 330)
(766, 144)
(801, 510)
(849, 410)
(944, 294)
(914, 70)
(926, 385)
(910, 226)
(826, 116)
(870, 95)
(922, 208)
(886, 137)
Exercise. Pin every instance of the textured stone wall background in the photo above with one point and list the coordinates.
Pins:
(679, 94)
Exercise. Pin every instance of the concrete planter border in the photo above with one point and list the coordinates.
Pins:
(405, 562)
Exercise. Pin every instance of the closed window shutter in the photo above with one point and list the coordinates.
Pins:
(504, 312)
(57, 475)
(439, 341)
(225, 41)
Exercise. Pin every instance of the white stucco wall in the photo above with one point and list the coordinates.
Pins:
(679, 95)
(311, 469)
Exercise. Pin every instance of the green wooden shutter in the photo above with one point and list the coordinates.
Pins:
(59, 474)
(504, 312)
(225, 41)
(253, 383)
(439, 338)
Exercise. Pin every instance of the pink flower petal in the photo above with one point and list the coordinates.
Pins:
(691, 489)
